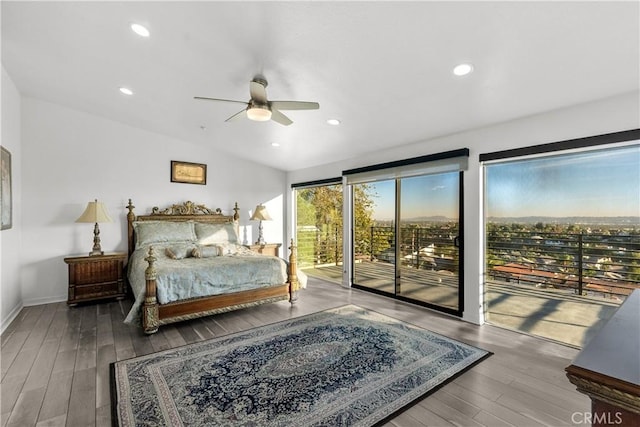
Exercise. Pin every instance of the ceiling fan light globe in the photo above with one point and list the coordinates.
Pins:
(259, 114)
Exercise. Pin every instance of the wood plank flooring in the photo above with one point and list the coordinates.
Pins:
(55, 362)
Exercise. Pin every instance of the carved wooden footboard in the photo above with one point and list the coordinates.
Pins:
(155, 314)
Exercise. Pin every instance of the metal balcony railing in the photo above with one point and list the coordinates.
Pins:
(317, 246)
(427, 248)
(582, 263)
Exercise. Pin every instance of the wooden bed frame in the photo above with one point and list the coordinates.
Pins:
(155, 314)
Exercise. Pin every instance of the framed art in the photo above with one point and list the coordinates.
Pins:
(188, 173)
(5, 189)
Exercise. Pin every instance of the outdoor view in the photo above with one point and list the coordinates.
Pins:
(562, 236)
(421, 264)
(427, 245)
(562, 241)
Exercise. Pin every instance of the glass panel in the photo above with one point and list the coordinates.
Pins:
(562, 240)
(319, 230)
(429, 211)
(374, 235)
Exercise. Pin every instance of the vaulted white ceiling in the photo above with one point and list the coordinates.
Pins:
(383, 68)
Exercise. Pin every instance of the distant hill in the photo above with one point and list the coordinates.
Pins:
(588, 220)
(584, 220)
(435, 218)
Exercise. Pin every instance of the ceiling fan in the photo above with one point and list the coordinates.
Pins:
(260, 109)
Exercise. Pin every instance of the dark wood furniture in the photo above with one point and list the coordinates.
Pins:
(155, 314)
(96, 277)
(608, 368)
(272, 249)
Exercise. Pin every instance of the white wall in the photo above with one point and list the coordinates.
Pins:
(70, 158)
(64, 158)
(613, 114)
(10, 239)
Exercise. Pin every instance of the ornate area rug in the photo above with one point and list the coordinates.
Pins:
(342, 367)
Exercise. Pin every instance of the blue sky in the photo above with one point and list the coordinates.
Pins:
(597, 183)
(594, 183)
(428, 195)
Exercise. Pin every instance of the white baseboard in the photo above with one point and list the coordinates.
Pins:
(6, 320)
(40, 301)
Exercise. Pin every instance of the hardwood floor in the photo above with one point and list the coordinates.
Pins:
(55, 362)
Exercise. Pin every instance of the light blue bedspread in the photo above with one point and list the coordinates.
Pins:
(178, 279)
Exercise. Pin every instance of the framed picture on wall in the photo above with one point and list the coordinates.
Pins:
(188, 173)
(5, 189)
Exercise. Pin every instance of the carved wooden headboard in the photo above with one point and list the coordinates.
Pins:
(187, 211)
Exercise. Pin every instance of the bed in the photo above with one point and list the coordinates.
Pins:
(186, 261)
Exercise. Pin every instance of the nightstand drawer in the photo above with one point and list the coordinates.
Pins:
(96, 277)
(102, 290)
(95, 272)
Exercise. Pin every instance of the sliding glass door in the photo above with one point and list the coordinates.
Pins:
(374, 250)
(407, 239)
(430, 239)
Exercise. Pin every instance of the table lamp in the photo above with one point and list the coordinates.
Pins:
(95, 212)
(260, 214)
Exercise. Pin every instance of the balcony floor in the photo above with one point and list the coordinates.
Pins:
(548, 313)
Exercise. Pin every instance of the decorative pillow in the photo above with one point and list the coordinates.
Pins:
(148, 232)
(235, 249)
(211, 234)
(205, 251)
(179, 251)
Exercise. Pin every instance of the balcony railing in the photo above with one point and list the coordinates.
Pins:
(580, 263)
(317, 246)
(429, 248)
(584, 263)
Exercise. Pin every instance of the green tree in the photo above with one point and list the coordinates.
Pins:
(319, 220)
(363, 195)
(305, 230)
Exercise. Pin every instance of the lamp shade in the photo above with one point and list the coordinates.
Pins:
(95, 212)
(260, 214)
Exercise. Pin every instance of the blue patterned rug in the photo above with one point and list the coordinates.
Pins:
(342, 367)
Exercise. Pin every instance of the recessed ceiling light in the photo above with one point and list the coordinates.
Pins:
(140, 30)
(275, 144)
(333, 122)
(126, 91)
(462, 69)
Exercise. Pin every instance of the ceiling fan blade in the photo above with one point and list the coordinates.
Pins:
(258, 92)
(218, 99)
(278, 117)
(294, 105)
(241, 113)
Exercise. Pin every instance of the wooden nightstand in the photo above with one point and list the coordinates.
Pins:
(266, 249)
(96, 277)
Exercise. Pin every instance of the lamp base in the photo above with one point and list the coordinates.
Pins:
(260, 238)
(97, 250)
